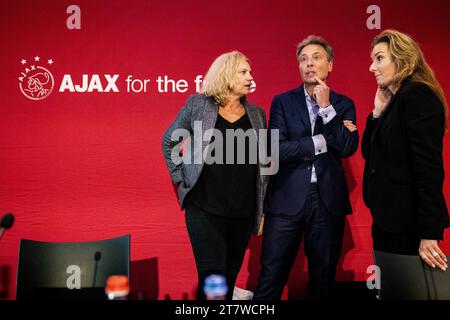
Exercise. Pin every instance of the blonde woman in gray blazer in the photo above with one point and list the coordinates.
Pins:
(217, 180)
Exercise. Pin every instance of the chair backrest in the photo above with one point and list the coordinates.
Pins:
(407, 277)
(73, 270)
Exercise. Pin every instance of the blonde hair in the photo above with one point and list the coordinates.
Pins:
(410, 62)
(219, 79)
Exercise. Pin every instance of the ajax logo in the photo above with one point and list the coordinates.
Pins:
(35, 81)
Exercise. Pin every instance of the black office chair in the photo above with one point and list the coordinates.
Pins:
(405, 277)
(70, 270)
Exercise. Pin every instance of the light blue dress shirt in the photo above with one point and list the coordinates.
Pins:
(327, 114)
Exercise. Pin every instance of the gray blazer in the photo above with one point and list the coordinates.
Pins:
(202, 108)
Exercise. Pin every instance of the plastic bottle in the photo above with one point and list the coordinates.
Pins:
(215, 287)
(117, 287)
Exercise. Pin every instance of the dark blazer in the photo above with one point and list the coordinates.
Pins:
(404, 172)
(202, 108)
(289, 188)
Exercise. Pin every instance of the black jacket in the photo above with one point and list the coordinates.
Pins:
(404, 171)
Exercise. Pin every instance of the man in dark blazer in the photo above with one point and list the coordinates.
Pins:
(308, 197)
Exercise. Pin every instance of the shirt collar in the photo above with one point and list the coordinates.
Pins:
(309, 101)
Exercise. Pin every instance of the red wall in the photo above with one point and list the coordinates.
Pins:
(87, 166)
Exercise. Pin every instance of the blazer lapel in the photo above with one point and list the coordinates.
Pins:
(209, 118)
(298, 103)
(253, 115)
(210, 112)
(382, 117)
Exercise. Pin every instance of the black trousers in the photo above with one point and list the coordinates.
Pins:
(406, 243)
(219, 245)
(282, 236)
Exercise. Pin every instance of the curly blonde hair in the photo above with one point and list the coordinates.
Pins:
(219, 79)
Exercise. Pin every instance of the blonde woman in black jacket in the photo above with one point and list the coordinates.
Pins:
(402, 145)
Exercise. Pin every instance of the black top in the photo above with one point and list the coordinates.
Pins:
(228, 189)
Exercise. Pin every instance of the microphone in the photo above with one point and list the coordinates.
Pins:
(6, 223)
(97, 258)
